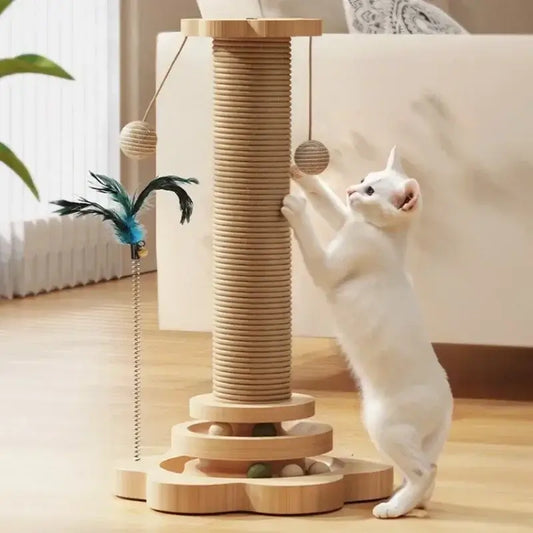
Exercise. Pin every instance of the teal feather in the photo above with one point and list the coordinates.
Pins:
(114, 189)
(126, 225)
(168, 183)
(127, 230)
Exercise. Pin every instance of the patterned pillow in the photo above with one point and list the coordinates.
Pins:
(398, 16)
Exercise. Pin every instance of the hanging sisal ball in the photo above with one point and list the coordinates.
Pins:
(311, 157)
(138, 140)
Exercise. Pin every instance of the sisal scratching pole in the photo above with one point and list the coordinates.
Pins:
(252, 254)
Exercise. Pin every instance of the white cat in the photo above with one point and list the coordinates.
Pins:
(407, 402)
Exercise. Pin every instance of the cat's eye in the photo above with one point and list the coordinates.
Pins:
(369, 191)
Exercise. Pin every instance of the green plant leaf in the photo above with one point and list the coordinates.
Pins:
(17, 166)
(31, 63)
(4, 4)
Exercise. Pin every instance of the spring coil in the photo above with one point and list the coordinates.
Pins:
(136, 293)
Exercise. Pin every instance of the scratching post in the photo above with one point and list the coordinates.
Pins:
(252, 247)
(214, 461)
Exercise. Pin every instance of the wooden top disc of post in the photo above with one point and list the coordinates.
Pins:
(251, 28)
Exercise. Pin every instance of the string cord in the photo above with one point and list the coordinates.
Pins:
(310, 69)
(156, 94)
(136, 291)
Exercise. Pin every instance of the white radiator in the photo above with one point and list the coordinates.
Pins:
(55, 253)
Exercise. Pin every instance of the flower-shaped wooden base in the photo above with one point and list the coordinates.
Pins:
(203, 474)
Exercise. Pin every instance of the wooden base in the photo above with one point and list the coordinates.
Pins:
(206, 474)
(175, 484)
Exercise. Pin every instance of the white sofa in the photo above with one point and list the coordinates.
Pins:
(460, 109)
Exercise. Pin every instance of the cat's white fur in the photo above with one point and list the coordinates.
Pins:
(407, 402)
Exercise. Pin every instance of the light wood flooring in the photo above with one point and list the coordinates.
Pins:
(65, 415)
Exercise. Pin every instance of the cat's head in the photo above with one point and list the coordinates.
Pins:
(386, 198)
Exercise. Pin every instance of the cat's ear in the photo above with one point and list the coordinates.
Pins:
(395, 162)
(411, 195)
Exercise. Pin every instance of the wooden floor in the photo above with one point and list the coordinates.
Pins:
(65, 414)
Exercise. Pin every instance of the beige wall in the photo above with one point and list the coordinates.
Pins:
(141, 21)
(492, 16)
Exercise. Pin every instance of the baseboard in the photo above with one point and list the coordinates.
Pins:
(490, 372)
(477, 372)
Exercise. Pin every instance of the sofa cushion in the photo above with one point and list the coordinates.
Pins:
(398, 16)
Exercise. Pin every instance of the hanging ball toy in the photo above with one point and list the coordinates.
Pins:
(138, 139)
(311, 157)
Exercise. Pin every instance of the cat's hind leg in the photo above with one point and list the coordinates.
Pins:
(403, 445)
(432, 447)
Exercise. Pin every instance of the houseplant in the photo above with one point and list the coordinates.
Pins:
(25, 64)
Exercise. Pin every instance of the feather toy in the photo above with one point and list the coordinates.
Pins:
(123, 215)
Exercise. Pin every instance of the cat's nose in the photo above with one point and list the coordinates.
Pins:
(351, 189)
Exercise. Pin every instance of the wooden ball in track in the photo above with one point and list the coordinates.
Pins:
(292, 470)
(312, 157)
(138, 140)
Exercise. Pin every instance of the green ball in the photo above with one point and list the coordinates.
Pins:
(264, 430)
(259, 470)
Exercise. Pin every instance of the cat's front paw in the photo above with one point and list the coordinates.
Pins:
(293, 208)
(295, 173)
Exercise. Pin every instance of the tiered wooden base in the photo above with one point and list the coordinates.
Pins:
(205, 474)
